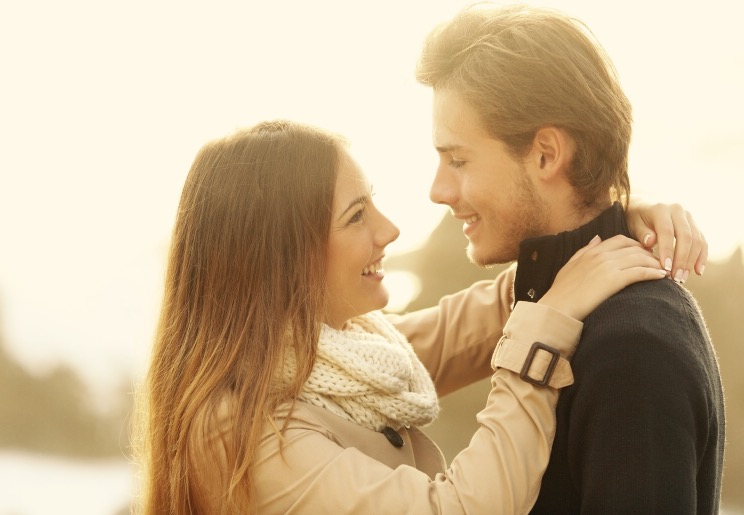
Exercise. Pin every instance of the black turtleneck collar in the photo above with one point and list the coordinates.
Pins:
(541, 258)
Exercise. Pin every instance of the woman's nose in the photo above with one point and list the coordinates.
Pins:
(388, 231)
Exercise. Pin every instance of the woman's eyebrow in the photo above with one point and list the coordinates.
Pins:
(353, 203)
(447, 148)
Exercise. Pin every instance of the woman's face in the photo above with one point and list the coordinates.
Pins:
(356, 246)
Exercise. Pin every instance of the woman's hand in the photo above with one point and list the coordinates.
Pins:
(681, 245)
(598, 271)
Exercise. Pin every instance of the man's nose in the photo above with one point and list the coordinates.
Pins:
(444, 189)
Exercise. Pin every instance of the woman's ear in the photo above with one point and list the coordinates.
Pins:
(552, 151)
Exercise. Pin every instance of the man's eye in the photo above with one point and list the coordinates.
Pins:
(454, 163)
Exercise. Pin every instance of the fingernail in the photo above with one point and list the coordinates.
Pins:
(645, 239)
(686, 276)
(668, 264)
(702, 270)
(678, 276)
(595, 239)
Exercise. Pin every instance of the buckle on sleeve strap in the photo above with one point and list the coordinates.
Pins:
(554, 357)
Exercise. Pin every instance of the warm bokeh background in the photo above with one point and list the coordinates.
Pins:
(103, 106)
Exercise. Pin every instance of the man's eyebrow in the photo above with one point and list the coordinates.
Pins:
(353, 203)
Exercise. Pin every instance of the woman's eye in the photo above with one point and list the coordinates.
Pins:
(454, 163)
(357, 216)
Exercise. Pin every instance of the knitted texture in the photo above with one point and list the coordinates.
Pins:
(368, 373)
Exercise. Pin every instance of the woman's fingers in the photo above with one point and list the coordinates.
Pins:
(597, 272)
(698, 254)
(681, 245)
(592, 243)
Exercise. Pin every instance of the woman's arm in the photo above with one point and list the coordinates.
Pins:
(499, 472)
(455, 339)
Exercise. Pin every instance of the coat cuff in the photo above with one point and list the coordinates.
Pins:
(537, 343)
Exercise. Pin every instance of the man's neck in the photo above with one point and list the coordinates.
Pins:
(540, 259)
(569, 216)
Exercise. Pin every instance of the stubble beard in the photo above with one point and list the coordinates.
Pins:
(495, 256)
(528, 220)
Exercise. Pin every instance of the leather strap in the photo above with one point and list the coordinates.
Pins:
(532, 361)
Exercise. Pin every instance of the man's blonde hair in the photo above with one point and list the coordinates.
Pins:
(523, 68)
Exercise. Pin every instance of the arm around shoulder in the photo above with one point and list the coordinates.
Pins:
(499, 472)
(456, 338)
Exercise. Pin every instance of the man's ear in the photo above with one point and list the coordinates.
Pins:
(552, 151)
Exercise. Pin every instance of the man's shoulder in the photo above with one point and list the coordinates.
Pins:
(645, 306)
(650, 342)
(648, 319)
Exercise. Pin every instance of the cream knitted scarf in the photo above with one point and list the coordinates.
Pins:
(369, 374)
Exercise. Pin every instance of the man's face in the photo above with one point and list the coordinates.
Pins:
(483, 184)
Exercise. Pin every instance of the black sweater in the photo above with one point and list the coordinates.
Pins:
(642, 428)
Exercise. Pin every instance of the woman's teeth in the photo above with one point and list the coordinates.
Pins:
(472, 219)
(374, 268)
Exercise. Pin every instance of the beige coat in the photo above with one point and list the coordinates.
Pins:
(328, 465)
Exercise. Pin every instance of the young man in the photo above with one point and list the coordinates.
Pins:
(533, 130)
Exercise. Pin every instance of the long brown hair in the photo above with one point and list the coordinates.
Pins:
(523, 68)
(244, 285)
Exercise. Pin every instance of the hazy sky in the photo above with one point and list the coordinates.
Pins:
(105, 104)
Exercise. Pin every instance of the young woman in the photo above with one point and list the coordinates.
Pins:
(277, 385)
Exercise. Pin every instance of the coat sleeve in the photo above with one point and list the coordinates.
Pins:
(455, 339)
(499, 472)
